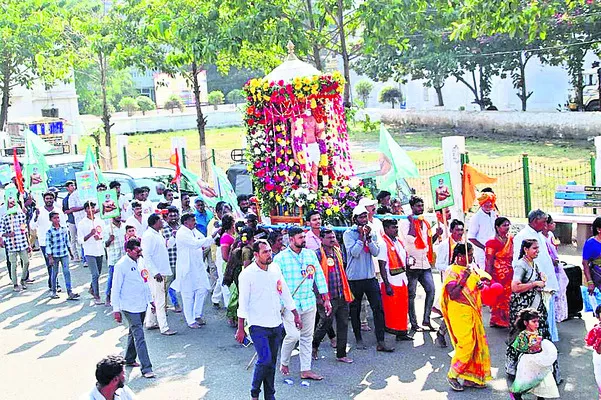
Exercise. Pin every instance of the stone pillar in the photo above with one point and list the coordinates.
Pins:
(452, 148)
(122, 141)
(179, 143)
(598, 159)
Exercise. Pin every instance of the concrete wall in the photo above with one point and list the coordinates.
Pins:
(163, 120)
(561, 125)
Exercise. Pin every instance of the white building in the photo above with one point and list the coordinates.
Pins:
(28, 103)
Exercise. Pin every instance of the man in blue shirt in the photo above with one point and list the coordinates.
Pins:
(202, 215)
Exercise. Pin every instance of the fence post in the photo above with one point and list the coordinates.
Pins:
(213, 156)
(97, 151)
(125, 156)
(593, 172)
(75, 148)
(150, 155)
(527, 194)
(184, 157)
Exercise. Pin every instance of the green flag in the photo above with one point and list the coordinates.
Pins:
(224, 189)
(395, 163)
(91, 164)
(35, 169)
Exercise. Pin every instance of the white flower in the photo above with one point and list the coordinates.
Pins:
(262, 147)
(300, 203)
(289, 199)
(257, 150)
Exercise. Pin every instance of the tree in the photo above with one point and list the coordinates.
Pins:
(129, 104)
(235, 96)
(390, 94)
(145, 103)
(216, 98)
(174, 102)
(119, 84)
(363, 89)
(35, 46)
(191, 34)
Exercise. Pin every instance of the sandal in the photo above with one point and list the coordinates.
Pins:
(474, 385)
(454, 384)
(194, 326)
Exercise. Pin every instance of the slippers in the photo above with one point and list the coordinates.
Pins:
(455, 385)
(474, 385)
(345, 360)
(194, 326)
(313, 377)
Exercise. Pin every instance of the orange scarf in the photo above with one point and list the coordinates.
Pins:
(346, 290)
(419, 241)
(394, 260)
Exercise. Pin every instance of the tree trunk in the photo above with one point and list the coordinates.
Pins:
(524, 95)
(201, 122)
(5, 93)
(579, 91)
(438, 90)
(480, 89)
(106, 115)
(316, 49)
(344, 52)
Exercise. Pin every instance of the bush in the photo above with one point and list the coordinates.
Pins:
(145, 103)
(390, 94)
(235, 96)
(128, 104)
(174, 102)
(363, 89)
(216, 98)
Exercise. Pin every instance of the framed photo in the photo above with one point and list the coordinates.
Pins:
(86, 185)
(108, 204)
(10, 199)
(442, 191)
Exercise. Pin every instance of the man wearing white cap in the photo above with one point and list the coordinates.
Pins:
(374, 223)
(361, 245)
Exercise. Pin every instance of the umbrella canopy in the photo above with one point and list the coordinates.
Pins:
(292, 68)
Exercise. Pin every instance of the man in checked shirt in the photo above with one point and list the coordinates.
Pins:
(57, 250)
(301, 269)
(13, 228)
(169, 231)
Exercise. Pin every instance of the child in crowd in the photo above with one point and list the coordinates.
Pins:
(130, 233)
(593, 339)
(534, 372)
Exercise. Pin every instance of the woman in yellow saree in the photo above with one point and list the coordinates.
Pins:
(462, 312)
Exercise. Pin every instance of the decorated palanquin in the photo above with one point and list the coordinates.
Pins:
(298, 151)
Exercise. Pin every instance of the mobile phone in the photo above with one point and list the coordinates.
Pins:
(246, 342)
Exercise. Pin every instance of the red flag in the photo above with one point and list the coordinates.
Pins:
(18, 172)
(174, 160)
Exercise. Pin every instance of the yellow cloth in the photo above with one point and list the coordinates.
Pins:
(471, 360)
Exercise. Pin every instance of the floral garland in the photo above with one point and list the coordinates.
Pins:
(272, 109)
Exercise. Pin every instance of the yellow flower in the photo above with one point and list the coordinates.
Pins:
(306, 80)
(323, 160)
(313, 103)
(279, 160)
(296, 80)
(331, 191)
(291, 163)
(315, 78)
(336, 208)
(314, 91)
(298, 86)
(328, 212)
(289, 151)
(292, 174)
(300, 96)
(271, 194)
(266, 98)
(278, 198)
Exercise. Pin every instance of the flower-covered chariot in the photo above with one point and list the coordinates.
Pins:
(298, 150)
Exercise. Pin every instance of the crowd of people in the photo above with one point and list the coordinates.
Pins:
(289, 287)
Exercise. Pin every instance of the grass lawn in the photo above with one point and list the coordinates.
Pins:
(551, 163)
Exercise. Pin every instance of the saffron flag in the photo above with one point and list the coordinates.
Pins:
(471, 178)
(91, 164)
(35, 166)
(18, 172)
(174, 160)
(395, 163)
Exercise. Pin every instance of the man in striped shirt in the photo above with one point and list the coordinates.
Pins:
(57, 250)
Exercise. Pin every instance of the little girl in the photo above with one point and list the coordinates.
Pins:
(593, 339)
(534, 372)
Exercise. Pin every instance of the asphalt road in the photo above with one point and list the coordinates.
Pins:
(49, 348)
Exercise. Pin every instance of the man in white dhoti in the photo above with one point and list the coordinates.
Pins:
(192, 280)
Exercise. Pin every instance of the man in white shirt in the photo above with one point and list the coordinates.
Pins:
(41, 222)
(110, 381)
(124, 204)
(130, 295)
(445, 248)
(262, 291)
(156, 257)
(192, 280)
(89, 233)
(137, 220)
(482, 226)
(74, 210)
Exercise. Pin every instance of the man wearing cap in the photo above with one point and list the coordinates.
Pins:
(416, 234)
(89, 231)
(301, 270)
(482, 226)
(374, 223)
(361, 245)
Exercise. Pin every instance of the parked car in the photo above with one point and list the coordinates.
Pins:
(61, 168)
(131, 178)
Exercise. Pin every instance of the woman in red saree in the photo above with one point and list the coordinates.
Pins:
(499, 255)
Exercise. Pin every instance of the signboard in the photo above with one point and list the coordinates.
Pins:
(442, 191)
(86, 185)
(108, 204)
(10, 199)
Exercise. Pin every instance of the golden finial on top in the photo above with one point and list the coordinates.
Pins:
(291, 55)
